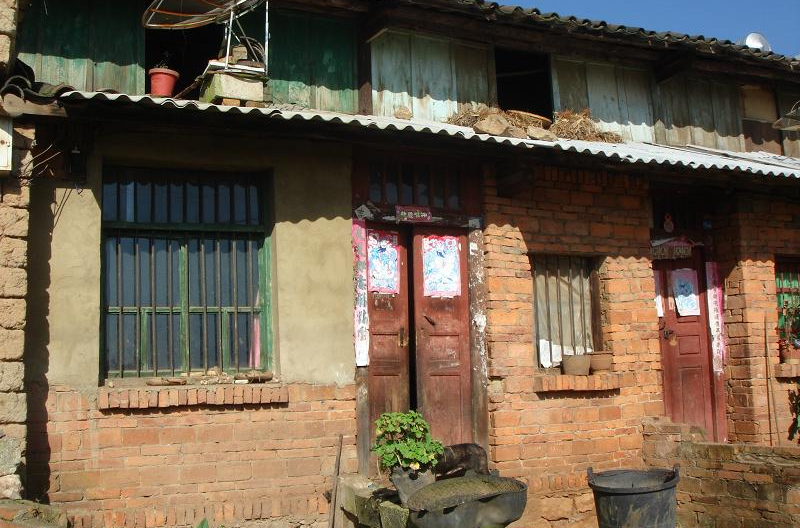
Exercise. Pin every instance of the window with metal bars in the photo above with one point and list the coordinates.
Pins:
(787, 287)
(185, 272)
(564, 306)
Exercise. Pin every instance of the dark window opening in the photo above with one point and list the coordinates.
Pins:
(679, 213)
(188, 51)
(403, 183)
(523, 82)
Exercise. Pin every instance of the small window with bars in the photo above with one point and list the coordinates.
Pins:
(184, 272)
(787, 283)
(422, 184)
(564, 301)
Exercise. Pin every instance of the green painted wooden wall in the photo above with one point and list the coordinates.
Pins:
(313, 61)
(88, 44)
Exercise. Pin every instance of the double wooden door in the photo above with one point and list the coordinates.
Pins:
(685, 349)
(419, 336)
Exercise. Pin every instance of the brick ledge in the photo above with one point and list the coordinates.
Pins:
(602, 381)
(190, 395)
(785, 370)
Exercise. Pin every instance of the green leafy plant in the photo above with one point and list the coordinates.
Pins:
(404, 439)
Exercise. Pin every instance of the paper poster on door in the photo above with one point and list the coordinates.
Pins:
(659, 297)
(441, 266)
(684, 289)
(382, 262)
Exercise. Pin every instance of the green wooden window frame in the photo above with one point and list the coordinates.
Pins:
(787, 288)
(185, 272)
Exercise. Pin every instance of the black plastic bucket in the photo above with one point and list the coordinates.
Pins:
(629, 498)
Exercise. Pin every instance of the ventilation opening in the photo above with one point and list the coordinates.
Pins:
(523, 82)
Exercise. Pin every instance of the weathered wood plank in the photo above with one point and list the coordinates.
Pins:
(727, 116)
(391, 73)
(639, 103)
(601, 84)
(88, 44)
(675, 108)
(432, 79)
(569, 85)
(290, 68)
(472, 75)
(791, 140)
(333, 67)
(700, 113)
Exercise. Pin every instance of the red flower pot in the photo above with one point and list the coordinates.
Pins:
(162, 81)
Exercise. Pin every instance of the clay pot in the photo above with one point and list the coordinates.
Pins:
(790, 355)
(576, 365)
(601, 361)
(162, 81)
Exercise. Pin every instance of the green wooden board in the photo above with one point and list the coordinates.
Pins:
(312, 62)
(88, 44)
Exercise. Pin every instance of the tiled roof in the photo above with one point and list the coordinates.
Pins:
(642, 154)
(495, 11)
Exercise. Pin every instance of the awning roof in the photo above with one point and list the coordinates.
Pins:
(689, 157)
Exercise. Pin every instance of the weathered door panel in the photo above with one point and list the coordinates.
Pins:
(685, 351)
(388, 381)
(442, 352)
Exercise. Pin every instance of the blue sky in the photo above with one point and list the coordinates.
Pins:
(778, 20)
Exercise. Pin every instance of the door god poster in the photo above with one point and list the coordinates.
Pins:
(382, 262)
(441, 266)
(684, 288)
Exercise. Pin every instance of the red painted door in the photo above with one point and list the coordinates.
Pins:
(685, 350)
(441, 322)
(389, 330)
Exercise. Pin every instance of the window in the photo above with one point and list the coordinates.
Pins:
(185, 272)
(787, 283)
(563, 297)
(523, 82)
(427, 185)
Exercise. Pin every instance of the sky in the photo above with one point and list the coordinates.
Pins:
(778, 20)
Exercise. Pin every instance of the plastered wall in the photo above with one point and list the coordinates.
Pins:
(311, 255)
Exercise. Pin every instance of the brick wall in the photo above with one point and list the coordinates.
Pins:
(753, 230)
(222, 459)
(549, 439)
(725, 485)
(14, 203)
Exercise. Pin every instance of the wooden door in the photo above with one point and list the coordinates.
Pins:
(388, 379)
(685, 351)
(441, 323)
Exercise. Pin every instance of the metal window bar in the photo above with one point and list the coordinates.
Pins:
(147, 355)
(787, 282)
(559, 284)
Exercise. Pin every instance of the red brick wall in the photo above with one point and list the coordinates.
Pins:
(550, 439)
(753, 230)
(727, 485)
(172, 466)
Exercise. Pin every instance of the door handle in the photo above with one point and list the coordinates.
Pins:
(429, 319)
(401, 338)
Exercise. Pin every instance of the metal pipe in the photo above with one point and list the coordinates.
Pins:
(266, 39)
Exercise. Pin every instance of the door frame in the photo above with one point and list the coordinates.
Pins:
(476, 291)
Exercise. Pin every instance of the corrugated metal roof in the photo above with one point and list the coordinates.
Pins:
(495, 11)
(691, 157)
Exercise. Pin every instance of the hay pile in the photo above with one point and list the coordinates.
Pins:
(468, 116)
(579, 125)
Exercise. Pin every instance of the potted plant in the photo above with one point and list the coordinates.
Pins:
(789, 342)
(162, 78)
(404, 447)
